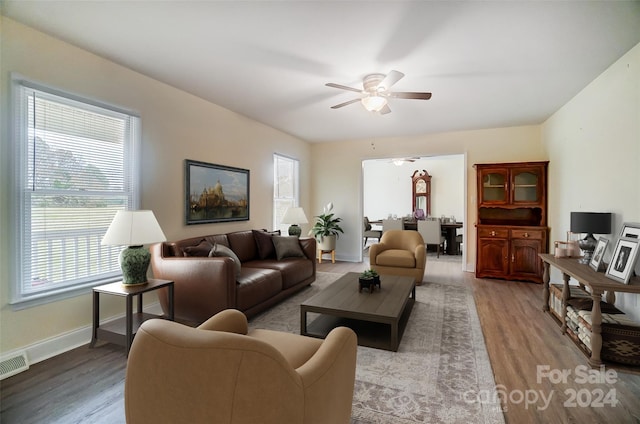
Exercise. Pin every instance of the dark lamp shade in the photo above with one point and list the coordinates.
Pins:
(591, 222)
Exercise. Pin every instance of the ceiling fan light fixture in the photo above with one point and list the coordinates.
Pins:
(373, 103)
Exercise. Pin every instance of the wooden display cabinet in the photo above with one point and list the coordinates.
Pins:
(512, 220)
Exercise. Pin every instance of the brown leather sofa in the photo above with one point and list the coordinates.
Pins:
(271, 268)
(223, 372)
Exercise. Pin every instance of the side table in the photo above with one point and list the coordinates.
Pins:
(122, 331)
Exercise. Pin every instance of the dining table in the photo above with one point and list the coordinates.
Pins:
(449, 230)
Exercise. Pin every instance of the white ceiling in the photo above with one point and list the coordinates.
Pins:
(488, 63)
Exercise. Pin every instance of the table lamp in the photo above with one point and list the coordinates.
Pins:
(590, 223)
(133, 229)
(294, 216)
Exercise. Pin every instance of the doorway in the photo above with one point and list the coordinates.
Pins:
(387, 188)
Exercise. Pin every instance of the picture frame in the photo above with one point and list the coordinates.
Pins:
(623, 260)
(598, 253)
(630, 230)
(215, 193)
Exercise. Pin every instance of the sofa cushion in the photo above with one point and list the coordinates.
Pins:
(201, 249)
(397, 258)
(293, 270)
(287, 247)
(218, 239)
(172, 249)
(264, 243)
(220, 250)
(243, 244)
(256, 285)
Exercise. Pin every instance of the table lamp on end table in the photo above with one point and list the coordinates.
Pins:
(294, 216)
(133, 229)
(590, 223)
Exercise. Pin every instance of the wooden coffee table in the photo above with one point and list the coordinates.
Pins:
(378, 318)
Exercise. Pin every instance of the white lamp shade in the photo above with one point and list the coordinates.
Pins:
(373, 103)
(133, 228)
(294, 216)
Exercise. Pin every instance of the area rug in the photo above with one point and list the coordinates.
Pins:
(440, 374)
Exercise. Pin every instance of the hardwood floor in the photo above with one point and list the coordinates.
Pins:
(519, 339)
(86, 385)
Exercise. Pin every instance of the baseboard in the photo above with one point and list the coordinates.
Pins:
(65, 342)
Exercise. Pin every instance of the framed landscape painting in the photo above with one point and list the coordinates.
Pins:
(215, 193)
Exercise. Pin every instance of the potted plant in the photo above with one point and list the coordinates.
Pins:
(369, 279)
(326, 229)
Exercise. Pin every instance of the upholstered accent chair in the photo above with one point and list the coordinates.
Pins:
(369, 232)
(432, 233)
(222, 372)
(400, 252)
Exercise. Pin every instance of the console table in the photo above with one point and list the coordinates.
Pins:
(598, 285)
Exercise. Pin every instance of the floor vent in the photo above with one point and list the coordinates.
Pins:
(14, 365)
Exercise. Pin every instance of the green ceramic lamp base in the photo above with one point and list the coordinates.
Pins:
(134, 261)
(295, 230)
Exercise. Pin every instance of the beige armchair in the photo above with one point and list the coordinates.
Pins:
(400, 252)
(221, 372)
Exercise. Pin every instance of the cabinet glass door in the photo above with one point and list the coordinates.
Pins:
(494, 187)
(525, 187)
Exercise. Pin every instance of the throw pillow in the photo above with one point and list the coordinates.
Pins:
(287, 247)
(220, 250)
(266, 249)
(201, 249)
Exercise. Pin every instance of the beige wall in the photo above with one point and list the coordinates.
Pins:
(593, 143)
(175, 126)
(387, 187)
(337, 171)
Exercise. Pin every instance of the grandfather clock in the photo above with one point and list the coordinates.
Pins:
(421, 186)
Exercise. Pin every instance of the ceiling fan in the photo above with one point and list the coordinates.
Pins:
(400, 161)
(376, 92)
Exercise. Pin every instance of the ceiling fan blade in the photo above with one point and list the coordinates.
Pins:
(345, 104)
(409, 95)
(343, 87)
(391, 78)
(386, 109)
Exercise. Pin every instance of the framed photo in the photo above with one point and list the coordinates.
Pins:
(598, 253)
(630, 230)
(624, 259)
(215, 193)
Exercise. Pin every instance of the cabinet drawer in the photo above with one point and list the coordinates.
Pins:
(493, 232)
(527, 234)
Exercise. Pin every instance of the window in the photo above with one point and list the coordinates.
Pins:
(285, 189)
(74, 169)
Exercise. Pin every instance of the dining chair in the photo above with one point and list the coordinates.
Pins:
(369, 232)
(391, 224)
(432, 234)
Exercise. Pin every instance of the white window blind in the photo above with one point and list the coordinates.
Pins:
(285, 189)
(75, 168)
